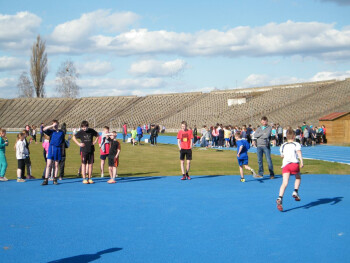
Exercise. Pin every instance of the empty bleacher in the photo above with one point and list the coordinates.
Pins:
(287, 104)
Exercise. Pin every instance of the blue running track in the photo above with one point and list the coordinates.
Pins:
(164, 219)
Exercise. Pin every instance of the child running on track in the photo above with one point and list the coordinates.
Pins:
(290, 152)
(185, 143)
(54, 154)
(242, 155)
(113, 157)
(3, 163)
(85, 135)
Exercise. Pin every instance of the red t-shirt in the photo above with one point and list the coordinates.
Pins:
(186, 138)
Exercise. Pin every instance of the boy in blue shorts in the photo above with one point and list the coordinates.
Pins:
(242, 155)
(55, 150)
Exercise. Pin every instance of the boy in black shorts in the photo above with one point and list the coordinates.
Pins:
(113, 157)
(185, 143)
(85, 135)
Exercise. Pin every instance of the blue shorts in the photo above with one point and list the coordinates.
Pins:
(103, 157)
(55, 153)
(242, 162)
(227, 139)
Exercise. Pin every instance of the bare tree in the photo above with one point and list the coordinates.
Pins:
(25, 86)
(38, 66)
(66, 80)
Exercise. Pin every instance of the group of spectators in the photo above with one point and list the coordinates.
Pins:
(223, 136)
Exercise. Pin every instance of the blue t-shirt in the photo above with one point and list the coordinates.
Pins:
(139, 130)
(244, 152)
(56, 137)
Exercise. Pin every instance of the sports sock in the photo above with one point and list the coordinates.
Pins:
(281, 197)
(296, 190)
(186, 173)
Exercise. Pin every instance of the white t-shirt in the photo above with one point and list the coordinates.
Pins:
(289, 152)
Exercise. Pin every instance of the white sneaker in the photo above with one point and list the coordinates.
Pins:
(102, 175)
(296, 196)
(5, 179)
(2, 179)
(254, 173)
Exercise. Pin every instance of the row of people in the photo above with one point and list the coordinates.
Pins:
(86, 138)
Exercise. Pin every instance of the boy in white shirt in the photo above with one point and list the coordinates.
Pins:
(290, 152)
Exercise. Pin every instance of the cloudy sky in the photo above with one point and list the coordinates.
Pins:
(150, 47)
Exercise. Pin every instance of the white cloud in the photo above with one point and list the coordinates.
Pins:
(79, 30)
(18, 31)
(326, 75)
(11, 63)
(290, 38)
(95, 68)
(156, 68)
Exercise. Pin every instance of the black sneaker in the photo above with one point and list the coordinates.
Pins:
(45, 182)
(55, 181)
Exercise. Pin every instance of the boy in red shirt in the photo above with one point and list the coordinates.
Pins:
(185, 143)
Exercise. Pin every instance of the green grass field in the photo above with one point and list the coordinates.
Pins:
(162, 160)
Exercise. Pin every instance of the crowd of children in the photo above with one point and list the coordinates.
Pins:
(55, 144)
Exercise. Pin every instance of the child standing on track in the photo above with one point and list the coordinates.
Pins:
(85, 135)
(290, 152)
(242, 155)
(3, 162)
(21, 153)
(104, 148)
(113, 157)
(185, 143)
(54, 154)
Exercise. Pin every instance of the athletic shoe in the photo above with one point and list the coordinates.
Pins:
(51, 179)
(102, 175)
(188, 177)
(111, 181)
(259, 176)
(31, 177)
(272, 177)
(45, 182)
(91, 182)
(55, 181)
(254, 173)
(296, 196)
(279, 204)
(85, 181)
(183, 177)
(242, 180)
(4, 179)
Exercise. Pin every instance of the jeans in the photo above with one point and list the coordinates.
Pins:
(267, 151)
(139, 136)
(124, 135)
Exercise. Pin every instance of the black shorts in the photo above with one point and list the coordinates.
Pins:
(104, 157)
(21, 164)
(87, 158)
(185, 153)
(112, 162)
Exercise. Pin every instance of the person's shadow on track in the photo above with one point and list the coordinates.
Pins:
(321, 201)
(85, 258)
